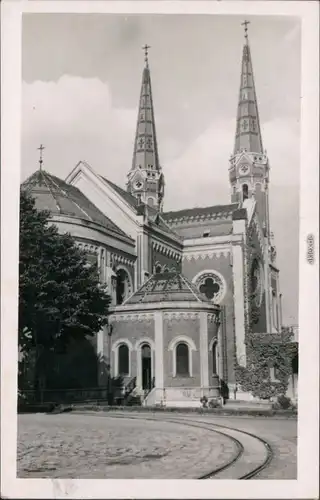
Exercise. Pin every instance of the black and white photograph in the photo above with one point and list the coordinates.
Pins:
(161, 297)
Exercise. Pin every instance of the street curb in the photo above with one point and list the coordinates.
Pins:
(254, 412)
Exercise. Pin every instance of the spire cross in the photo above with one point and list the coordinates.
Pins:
(145, 48)
(245, 24)
(41, 148)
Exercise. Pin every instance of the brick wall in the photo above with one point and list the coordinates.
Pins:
(261, 325)
(164, 260)
(222, 265)
(133, 331)
(171, 329)
(197, 230)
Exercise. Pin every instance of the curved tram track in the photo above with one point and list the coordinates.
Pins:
(253, 454)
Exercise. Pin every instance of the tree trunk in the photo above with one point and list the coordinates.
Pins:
(39, 374)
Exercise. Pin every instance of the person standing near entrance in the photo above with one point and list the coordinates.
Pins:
(224, 391)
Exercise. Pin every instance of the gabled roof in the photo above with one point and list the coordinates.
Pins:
(166, 287)
(128, 197)
(215, 212)
(154, 216)
(60, 198)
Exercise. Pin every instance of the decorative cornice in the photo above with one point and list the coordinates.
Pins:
(131, 317)
(206, 255)
(180, 315)
(117, 259)
(166, 251)
(88, 247)
(214, 318)
(187, 219)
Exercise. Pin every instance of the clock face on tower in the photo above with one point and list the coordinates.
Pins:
(138, 185)
(244, 169)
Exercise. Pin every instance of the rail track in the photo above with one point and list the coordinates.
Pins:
(253, 454)
(233, 465)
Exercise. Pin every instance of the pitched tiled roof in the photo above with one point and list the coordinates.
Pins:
(153, 214)
(128, 197)
(59, 198)
(199, 213)
(166, 287)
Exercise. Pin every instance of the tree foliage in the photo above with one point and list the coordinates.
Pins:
(60, 297)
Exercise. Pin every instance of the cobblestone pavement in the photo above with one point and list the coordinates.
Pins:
(84, 446)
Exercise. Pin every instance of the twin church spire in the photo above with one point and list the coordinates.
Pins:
(145, 179)
(248, 163)
(248, 134)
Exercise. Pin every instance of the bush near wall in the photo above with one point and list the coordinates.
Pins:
(264, 352)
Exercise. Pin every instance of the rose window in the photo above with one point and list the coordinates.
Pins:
(211, 286)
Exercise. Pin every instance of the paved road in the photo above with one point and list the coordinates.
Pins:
(84, 446)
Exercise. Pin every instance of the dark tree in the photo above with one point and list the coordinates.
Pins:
(60, 297)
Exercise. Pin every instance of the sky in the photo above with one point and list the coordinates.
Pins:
(81, 84)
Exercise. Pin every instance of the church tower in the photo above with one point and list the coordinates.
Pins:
(145, 179)
(249, 164)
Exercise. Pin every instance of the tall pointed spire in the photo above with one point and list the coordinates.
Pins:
(248, 134)
(249, 164)
(145, 179)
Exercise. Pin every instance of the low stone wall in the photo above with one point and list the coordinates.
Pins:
(253, 412)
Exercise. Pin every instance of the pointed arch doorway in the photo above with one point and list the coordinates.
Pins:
(146, 367)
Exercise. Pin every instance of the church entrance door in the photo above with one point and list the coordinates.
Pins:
(146, 367)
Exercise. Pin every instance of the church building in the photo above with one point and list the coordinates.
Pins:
(181, 281)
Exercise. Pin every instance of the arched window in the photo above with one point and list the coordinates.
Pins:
(123, 360)
(182, 360)
(158, 268)
(214, 359)
(150, 202)
(123, 287)
(245, 194)
(146, 366)
(274, 309)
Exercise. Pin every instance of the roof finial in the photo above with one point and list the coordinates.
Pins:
(245, 24)
(41, 148)
(145, 48)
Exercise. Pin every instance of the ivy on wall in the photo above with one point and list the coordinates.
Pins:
(269, 359)
(264, 354)
(269, 356)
